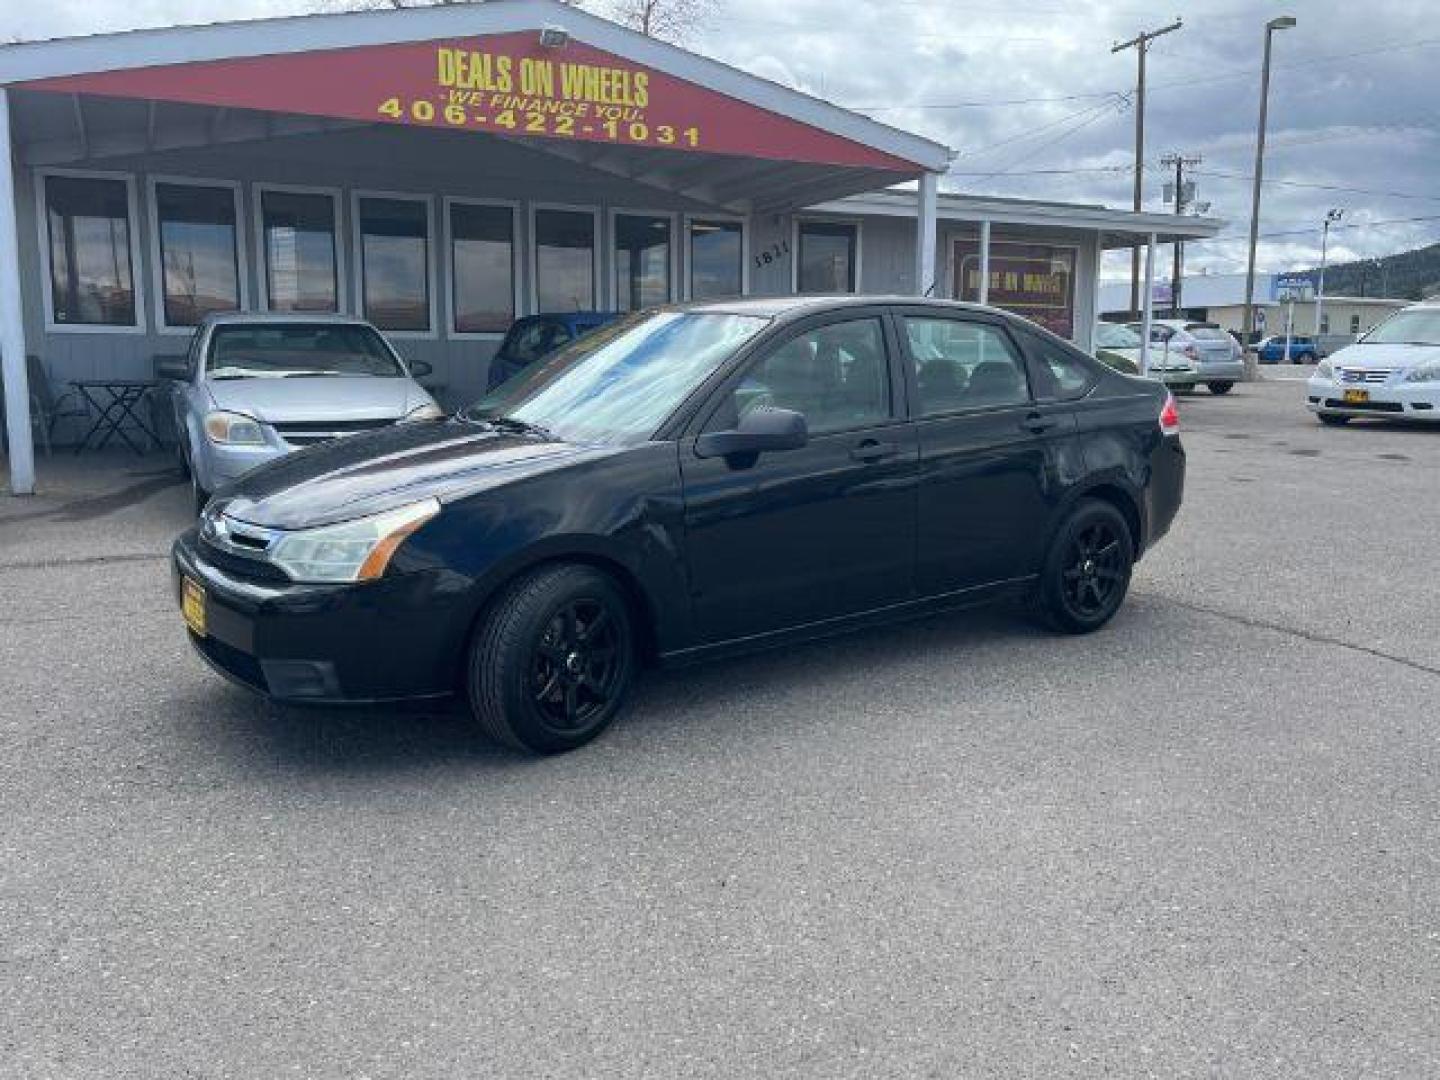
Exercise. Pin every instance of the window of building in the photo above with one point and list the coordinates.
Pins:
(828, 256)
(717, 258)
(564, 260)
(302, 260)
(198, 236)
(92, 269)
(642, 261)
(482, 267)
(836, 375)
(394, 262)
(964, 365)
(1354, 324)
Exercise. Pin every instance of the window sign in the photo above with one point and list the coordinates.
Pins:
(1036, 281)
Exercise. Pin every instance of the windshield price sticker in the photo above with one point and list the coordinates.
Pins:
(537, 96)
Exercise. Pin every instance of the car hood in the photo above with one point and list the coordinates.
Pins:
(367, 474)
(1384, 356)
(326, 397)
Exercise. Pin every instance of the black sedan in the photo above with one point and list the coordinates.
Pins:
(695, 480)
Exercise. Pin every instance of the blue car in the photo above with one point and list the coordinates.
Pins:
(1303, 350)
(534, 336)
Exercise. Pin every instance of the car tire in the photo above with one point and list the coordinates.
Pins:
(1087, 570)
(552, 660)
(1220, 387)
(1305, 358)
(1333, 419)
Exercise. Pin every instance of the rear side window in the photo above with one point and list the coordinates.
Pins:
(1206, 332)
(1069, 374)
(963, 365)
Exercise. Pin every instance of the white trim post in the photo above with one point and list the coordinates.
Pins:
(21, 447)
(926, 226)
(1147, 305)
(983, 295)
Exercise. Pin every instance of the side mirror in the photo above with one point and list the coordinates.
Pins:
(420, 368)
(176, 368)
(760, 431)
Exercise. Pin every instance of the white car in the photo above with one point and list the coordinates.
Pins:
(1184, 352)
(1393, 371)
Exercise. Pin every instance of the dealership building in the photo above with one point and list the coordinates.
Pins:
(442, 170)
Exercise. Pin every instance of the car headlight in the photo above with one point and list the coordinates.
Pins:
(234, 429)
(1325, 370)
(428, 411)
(1429, 371)
(358, 550)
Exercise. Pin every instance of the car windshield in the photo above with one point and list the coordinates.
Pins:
(1414, 326)
(292, 350)
(1114, 336)
(618, 383)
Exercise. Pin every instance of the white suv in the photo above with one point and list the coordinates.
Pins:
(1394, 371)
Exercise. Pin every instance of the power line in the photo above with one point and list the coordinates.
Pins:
(1097, 113)
(1311, 230)
(1322, 187)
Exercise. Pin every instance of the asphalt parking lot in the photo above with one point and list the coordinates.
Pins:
(1201, 843)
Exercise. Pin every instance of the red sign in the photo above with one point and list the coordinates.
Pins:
(507, 84)
(1036, 281)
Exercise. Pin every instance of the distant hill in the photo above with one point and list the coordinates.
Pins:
(1409, 275)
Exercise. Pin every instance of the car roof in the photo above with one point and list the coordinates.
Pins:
(772, 307)
(231, 318)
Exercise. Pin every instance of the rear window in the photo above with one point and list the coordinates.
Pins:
(1206, 332)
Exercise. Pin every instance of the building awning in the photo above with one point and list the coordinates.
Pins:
(536, 71)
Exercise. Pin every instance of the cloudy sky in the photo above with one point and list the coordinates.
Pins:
(1030, 94)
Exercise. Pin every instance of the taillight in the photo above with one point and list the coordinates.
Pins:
(1170, 417)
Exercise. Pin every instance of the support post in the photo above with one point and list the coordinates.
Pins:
(1147, 302)
(21, 445)
(925, 228)
(983, 296)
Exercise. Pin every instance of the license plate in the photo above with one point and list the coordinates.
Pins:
(192, 605)
(1355, 397)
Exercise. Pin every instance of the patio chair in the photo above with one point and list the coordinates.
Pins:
(46, 409)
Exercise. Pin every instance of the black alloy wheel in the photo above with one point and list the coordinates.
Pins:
(1088, 571)
(552, 659)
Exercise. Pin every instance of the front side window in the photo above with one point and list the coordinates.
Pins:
(529, 341)
(91, 273)
(617, 384)
(642, 261)
(716, 259)
(564, 260)
(836, 375)
(482, 266)
(827, 256)
(395, 262)
(294, 350)
(963, 365)
(301, 259)
(199, 251)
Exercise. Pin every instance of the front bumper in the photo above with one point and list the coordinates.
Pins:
(401, 637)
(1396, 400)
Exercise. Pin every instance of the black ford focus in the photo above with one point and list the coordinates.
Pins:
(683, 483)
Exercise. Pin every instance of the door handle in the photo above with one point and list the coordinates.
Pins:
(873, 450)
(1039, 423)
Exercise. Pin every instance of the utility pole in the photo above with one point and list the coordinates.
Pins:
(1282, 22)
(1141, 44)
(1331, 217)
(1180, 161)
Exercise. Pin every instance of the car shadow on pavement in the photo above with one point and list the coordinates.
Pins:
(780, 689)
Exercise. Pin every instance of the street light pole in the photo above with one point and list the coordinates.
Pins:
(1284, 22)
(1141, 44)
(1331, 217)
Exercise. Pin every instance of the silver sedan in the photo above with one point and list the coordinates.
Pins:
(254, 387)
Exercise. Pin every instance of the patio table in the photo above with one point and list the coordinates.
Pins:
(114, 402)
